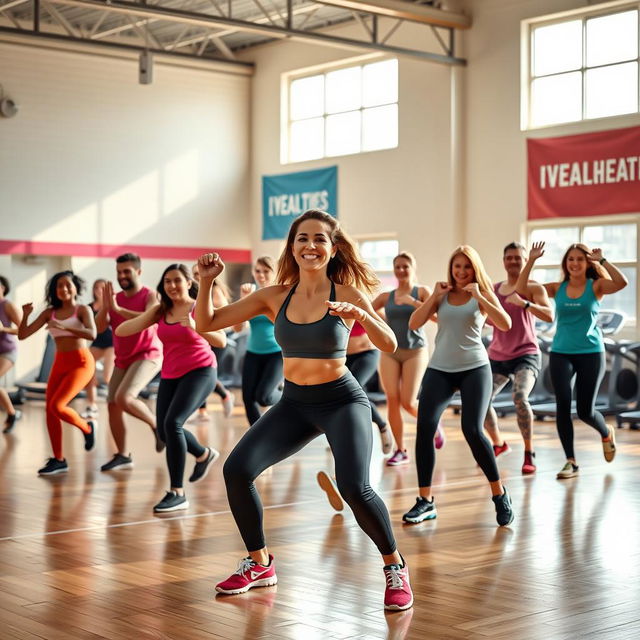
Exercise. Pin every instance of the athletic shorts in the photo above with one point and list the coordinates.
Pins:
(133, 379)
(508, 368)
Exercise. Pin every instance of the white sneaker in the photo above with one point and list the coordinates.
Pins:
(227, 404)
(89, 413)
(569, 470)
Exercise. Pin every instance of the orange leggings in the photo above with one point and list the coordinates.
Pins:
(71, 372)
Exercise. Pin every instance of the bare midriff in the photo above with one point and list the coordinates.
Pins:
(358, 344)
(308, 371)
(68, 343)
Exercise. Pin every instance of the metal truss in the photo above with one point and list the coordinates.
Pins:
(217, 29)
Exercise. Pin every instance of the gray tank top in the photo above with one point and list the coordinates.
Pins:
(8, 342)
(458, 345)
(398, 319)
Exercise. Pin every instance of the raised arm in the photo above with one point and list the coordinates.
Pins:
(141, 322)
(25, 329)
(210, 266)
(357, 306)
(522, 284)
(604, 286)
(489, 304)
(430, 306)
(537, 302)
(14, 315)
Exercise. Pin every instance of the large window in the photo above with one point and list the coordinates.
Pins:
(343, 111)
(618, 243)
(581, 67)
(379, 253)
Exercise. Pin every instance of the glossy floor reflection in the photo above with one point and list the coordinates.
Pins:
(82, 556)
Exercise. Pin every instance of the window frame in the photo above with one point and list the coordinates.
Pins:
(323, 69)
(526, 52)
(594, 221)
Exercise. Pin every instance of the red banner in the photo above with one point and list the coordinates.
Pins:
(591, 174)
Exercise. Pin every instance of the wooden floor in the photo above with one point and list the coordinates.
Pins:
(82, 556)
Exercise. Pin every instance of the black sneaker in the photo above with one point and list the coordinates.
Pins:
(504, 511)
(160, 444)
(202, 468)
(10, 422)
(53, 466)
(118, 462)
(171, 502)
(90, 438)
(422, 510)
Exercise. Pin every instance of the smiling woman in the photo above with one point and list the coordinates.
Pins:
(187, 378)
(321, 289)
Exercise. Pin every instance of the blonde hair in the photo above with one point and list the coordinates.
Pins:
(480, 274)
(346, 267)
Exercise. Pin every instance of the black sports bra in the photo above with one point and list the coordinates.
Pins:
(324, 338)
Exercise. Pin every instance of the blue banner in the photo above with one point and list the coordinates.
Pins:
(286, 196)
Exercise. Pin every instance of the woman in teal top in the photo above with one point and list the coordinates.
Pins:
(577, 345)
(262, 369)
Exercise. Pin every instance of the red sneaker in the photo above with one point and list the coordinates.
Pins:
(529, 466)
(499, 449)
(398, 595)
(250, 574)
(440, 438)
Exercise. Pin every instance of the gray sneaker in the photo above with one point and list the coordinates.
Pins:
(171, 502)
(569, 470)
(118, 462)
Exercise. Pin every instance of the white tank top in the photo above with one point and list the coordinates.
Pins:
(72, 322)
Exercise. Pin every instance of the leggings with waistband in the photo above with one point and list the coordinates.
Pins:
(437, 389)
(363, 365)
(339, 409)
(589, 371)
(70, 373)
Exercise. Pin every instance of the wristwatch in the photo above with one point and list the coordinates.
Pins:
(602, 260)
(527, 304)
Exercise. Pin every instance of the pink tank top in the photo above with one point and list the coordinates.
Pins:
(73, 322)
(357, 330)
(520, 340)
(140, 346)
(184, 349)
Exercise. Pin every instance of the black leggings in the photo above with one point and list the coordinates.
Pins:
(339, 409)
(589, 371)
(177, 399)
(437, 389)
(363, 365)
(261, 375)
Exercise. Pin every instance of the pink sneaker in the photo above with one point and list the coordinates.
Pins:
(250, 574)
(398, 595)
(500, 449)
(399, 457)
(440, 438)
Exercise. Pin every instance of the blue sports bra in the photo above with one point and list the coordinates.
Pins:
(324, 338)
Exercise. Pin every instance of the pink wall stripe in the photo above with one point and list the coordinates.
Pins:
(114, 250)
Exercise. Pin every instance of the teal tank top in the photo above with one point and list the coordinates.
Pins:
(576, 322)
(261, 337)
(458, 344)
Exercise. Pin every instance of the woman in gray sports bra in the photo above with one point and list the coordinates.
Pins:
(402, 370)
(459, 361)
(312, 307)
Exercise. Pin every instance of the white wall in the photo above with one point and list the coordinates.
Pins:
(496, 204)
(405, 191)
(93, 156)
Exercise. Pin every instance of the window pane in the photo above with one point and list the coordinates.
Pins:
(617, 241)
(556, 99)
(624, 300)
(344, 90)
(380, 128)
(343, 133)
(307, 97)
(546, 275)
(611, 90)
(557, 48)
(380, 83)
(556, 242)
(612, 38)
(307, 140)
(379, 253)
